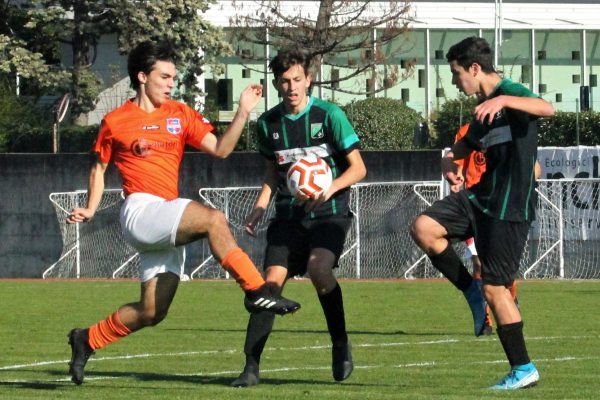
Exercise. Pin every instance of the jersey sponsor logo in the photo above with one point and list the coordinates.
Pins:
(174, 126)
(143, 147)
(140, 148)
(479, 158)
(316, 131)
(293, 155)
(151, 127)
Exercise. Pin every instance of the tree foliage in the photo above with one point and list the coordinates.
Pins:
(337, 33)
(41, 26)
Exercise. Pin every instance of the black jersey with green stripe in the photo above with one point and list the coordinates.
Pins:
(507, 188)
(321, 129)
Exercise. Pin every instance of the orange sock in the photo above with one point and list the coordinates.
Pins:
(238, 264)
(107, 331)
(513, 289)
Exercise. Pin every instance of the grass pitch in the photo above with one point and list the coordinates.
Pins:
(411, 340)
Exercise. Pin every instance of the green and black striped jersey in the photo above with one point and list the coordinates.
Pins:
(507, 188)
(321, 129)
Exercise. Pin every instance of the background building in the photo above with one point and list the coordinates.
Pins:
(552, 47)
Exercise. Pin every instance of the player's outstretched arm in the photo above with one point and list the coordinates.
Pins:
(486, 111)
(269, 188)
(223, 145)
(95, 191)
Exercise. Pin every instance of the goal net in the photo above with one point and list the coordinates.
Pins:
(377, 246)
(92, 250)
(562, 243)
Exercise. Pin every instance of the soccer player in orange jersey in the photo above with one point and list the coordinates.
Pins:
(145, 138)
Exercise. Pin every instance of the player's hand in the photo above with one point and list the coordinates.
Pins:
(486, 111)
(250, 97)
(456, 188)
(80, 215)
(311, 204)
(450, 171)
(253, 219)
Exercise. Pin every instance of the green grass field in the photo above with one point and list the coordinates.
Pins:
(411, 340)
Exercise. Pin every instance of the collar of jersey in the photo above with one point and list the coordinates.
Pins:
(504, 81)
(138, 109)
(294, 117)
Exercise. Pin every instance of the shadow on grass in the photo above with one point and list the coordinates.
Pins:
(37, 385)
(303, 331)
(96, 377)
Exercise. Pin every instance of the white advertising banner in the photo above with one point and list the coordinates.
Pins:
(570, 181)
(569, 162)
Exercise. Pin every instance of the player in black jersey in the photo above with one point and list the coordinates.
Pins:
(306, 236)
(498, 210)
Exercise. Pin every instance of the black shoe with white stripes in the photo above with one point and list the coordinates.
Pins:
(262, 299)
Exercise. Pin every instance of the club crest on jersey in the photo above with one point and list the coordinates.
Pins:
(316, 131)
(275, 135)
(173, 126)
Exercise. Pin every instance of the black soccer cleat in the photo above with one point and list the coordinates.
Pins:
(262, 299)
(249, 377)
(341, 361)
(80, 353)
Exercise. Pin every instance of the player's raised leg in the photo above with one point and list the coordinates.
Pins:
(199, 221)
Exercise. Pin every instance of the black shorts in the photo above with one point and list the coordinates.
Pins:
(499, 243)
(289, 243)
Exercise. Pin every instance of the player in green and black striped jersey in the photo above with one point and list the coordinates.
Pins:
(498, 210)
(305, 235)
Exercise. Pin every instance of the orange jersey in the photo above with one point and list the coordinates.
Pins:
(473, 165)
(147, 147)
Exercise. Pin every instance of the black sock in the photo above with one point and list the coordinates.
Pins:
(333, 308)
(513, 342)
(257, 333)
(450, 265)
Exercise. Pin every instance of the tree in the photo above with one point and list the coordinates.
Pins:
(22, 56)
(339, 34)
(81, 23)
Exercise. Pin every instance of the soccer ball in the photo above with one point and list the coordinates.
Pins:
(310, 175)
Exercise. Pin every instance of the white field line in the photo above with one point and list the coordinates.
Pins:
(304, 348)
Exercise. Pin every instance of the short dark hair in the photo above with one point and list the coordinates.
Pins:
(470, 51)
(285, 59)
(143, 57)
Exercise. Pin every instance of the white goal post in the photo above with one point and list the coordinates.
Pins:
(563, 241)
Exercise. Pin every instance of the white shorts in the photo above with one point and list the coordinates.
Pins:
(149, 224)
(471, 251)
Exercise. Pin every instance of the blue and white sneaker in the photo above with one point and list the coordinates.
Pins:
(477, 304)
(519, 377)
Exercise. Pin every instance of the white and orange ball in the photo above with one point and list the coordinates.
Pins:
(310, 175)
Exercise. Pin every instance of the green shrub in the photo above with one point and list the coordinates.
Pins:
(561, 130)
(449, 118)
(77, 139)
(24, 127)
(383, 124)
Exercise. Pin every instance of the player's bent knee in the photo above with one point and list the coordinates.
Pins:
(217, 218)
(419, 229)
